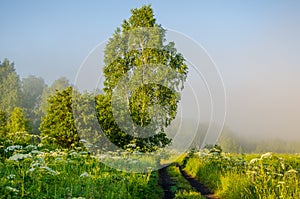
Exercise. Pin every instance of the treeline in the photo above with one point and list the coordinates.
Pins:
(55, 116)
(67, 117)
(23, 102)
(31, 111)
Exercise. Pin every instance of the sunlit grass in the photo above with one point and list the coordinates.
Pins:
(33, 173)
(182, 189)
(246, 176)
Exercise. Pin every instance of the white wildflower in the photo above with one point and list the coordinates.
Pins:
(31, 147)
(134, 162)
(253, 161)
(83, 153)
(49, 170)
(30, 170)
(19, 156)
(58, 159)
(39, 162)
(12, 189)
(13, 148)
(11, 176)
(266, 155)
(102, 156)
(74, 153)
(85, 175)
(292, 171)
(35, 152)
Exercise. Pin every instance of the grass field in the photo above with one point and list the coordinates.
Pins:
(246, 176)
(33, 172)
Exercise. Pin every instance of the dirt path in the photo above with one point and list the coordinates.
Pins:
(197, 185)
(166, 183)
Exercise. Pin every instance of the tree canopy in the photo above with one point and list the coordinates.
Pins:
(58, 127)
(58, 85)
(143, 77)
(10, 90)
(32, 90)
(17, 121)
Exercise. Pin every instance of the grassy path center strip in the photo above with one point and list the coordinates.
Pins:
(201, 188)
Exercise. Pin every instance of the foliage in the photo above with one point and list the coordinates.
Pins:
(3, 124)
(32, 89)
(14, 130)
(32, 172)
(17, 129)
(58, 127)
(58, 85)
(9, 87)
(86, 122)
(17, 121)
(134, 56)
(238, 176)
(182, 189)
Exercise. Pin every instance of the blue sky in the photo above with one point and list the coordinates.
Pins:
(51, 38)
(255, 44)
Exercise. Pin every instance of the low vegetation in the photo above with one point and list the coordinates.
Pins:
(34, 172)
(246, 176)
(181, 189)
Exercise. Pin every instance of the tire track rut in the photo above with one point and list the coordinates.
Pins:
(166, 183)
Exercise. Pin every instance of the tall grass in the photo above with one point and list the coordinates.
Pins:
(182, 189)
(28, 172)
(251, 176)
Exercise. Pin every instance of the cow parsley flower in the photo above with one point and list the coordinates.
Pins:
(11, 176)
(30, 170)
(51, 171)
(254, 160)
(30, 147)
(85, 175)
(12, 189)
(13, 148)
(19, 156)
(266, 155)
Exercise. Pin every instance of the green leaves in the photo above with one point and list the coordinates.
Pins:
(39, 173)
(3, 123)
(59, 122)
(143, 77)
(9, 87)
(17, 121)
